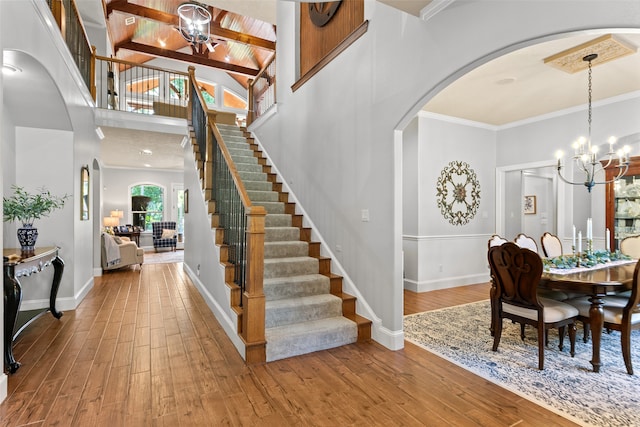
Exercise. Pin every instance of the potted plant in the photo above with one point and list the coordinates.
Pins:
(27, 207)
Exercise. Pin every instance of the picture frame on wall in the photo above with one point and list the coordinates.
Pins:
(84, 193)
(529, 205)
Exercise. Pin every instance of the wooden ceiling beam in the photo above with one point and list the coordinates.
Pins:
(216, 30)
(179, 56)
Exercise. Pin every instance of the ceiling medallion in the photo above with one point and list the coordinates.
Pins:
(458, 193)
(321, 13)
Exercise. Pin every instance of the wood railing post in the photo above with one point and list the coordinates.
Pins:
(207, 158)
(58, 11)
(250, 110)
(93, 73)
(253, 300)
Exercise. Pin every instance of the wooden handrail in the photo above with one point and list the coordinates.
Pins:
(252, 307)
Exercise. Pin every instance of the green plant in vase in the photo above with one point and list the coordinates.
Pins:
(27, 207)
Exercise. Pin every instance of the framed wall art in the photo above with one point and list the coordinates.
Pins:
(529, 205)
(84, 193)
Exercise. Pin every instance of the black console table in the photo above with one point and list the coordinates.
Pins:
(18, 265)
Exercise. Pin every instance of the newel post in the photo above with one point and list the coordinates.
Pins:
(253, 301)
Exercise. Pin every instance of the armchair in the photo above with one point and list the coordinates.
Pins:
(164, 235)
(127, 252)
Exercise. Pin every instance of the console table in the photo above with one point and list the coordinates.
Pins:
(16, 265)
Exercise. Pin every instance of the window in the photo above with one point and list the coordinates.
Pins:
(147, 205)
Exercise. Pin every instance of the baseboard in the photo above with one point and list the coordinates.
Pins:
(393, 340)
(227, 324)
(445, 283)
(62, 304)
(3, 386)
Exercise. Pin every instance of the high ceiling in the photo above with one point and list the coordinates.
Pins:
(510, 88)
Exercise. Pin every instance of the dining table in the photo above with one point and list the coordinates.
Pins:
(597, 282)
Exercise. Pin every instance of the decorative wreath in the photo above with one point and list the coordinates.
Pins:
(458, 193)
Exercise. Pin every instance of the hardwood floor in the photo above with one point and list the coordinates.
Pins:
(143, 349)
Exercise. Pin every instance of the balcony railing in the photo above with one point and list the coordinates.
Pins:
(262, 91)
(66, 15)
(127, 86)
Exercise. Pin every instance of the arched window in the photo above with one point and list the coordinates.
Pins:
(147, 204)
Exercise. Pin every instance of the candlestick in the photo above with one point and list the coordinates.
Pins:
(579, 242)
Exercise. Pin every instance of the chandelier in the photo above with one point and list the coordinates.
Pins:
(195, 22)
(586, 155)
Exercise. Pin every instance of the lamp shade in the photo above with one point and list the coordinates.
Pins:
(117, 213)
(110, 221)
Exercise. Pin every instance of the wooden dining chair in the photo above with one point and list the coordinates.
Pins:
(517, 273)
(525, 241)
(551, 245)
(495, 240)
(620, 314)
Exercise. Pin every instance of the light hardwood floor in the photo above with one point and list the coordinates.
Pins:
(143, 349)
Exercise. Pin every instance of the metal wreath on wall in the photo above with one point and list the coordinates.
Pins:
(458, 193)
(321, 13)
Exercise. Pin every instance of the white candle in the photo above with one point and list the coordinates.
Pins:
(579, 241)
(607, 239)
(573, 242)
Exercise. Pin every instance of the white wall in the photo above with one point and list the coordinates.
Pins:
(333, 138)
(538, 141)
(433, 253)
(59, 153)
(115, 192)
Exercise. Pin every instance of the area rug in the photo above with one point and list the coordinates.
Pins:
(567, 386)
(163, 257)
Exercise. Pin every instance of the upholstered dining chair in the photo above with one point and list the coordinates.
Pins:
(164, 235)
(631, 246)
(620, 314)
(496, 240)
(518, 271)
(551, 245)
(525, 241)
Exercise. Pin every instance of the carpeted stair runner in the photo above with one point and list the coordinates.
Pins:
(302, 315)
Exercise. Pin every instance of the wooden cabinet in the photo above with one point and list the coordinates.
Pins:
(623, 203)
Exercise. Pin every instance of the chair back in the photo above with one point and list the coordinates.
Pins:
(157, 227)
(518, 272)
(551, 245)
(496, 240)
(631, 246)
(525, 241)
(633, 306)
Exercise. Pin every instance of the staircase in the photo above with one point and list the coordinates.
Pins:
(305, 307)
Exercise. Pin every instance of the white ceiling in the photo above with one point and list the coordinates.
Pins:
(519, 85)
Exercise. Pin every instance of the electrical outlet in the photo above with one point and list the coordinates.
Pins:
(365, 215)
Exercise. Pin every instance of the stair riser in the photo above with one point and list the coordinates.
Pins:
(272, 207)
(295, 289)
(278, 220)
(244, 167)
(301, 313)
(281, 347)
(274, 250)
(262, 196)
(252, 176)
(281, 234)
(288, 267)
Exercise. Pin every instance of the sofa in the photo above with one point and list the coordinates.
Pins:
(118, 252)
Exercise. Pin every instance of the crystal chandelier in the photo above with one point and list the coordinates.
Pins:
(195, 22)
(586, 155)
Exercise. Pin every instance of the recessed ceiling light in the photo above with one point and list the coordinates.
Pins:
(9, 69)
(162, 43)
(146, 152)
(147, 165)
